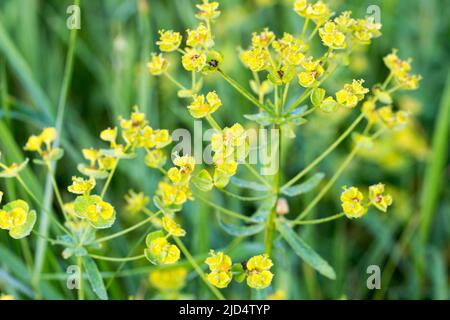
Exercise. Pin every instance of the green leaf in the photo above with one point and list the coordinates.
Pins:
(298, 112)
(304, 187)
(94, 277)
(240, 231)
(317, 96)
(304, 251)
(248, 184)
(264, 209)
(261, 118)
(203, 181)
(25, 229)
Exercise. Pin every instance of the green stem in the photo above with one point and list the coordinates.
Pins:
(179, 85)
(224, 210)
(317, 221)
(324, 154)
(237, 196)
(197, 268)
(108, 181)
(125, 231)
(243, 91)
(81, 285)
(257, 175)
(330, 183)
(105, 258)
(56, 191)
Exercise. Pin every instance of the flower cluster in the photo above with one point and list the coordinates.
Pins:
(400, 70)
(202, 107)
(230, 147)
(17, 218)
(352, 200)
(351, 94)
(255, 270)
(159, 250)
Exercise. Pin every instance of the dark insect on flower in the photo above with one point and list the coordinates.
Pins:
(213, 63)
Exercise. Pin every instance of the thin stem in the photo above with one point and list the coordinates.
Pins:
(172, 79)
(80, 279)
(224, 210)
(330, 183)
(213, 123)
(108, 181)
(257, 175)
(243, 91)
(56, 190)
(31, 194)
(197, 268)
(317, 221)
(305, 27)
(324, 154)
(105, 258)
(234, 195)
(125, 231)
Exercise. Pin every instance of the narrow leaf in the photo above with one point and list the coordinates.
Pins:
(95, 278)
(305, 252)
(248, 184)
(304, 187)
(240, 231)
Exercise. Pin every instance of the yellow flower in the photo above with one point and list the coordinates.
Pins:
(34, 143)
(7, 297)
(135, 201)
(259, 276)
(81, 186)
(318, 12)
(256, 59)
(12, 170)
(100, 210)
(202, 107)
(220, 267)
(162, 251)
(208, 10)
(344, 20)
(17, 218)
(363, 30)
(378, 198)
(173, 195)
(99, 213)
(186, 163)
(157, 65)
(109, 135)
(193, 60)
(172, 279)
(199, 37)
(368, 109)
(351, 199)
(351, 94)
(263, 39)
(313, 70)
(91, 155)
(306, 79)
(331, 36)
(169, 40)
(172, 227)
(155, 158)
(48, 135)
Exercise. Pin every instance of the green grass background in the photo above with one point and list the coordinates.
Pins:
(410, 243)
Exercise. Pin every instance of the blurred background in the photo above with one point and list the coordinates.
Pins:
(410, 243)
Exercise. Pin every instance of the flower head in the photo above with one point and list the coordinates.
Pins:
(169, 40)
(378, 197)
(135, 202)
(199, 37)
(193, 59)
(351, 199)
(17, 218)
(259, 276)
(172, 227)
(202, 107)
(158, 64)
(160, 251)
(99, 213)
(220, 267)
(81, 186)
(351, 94)
(331, 36)
(208, 10)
